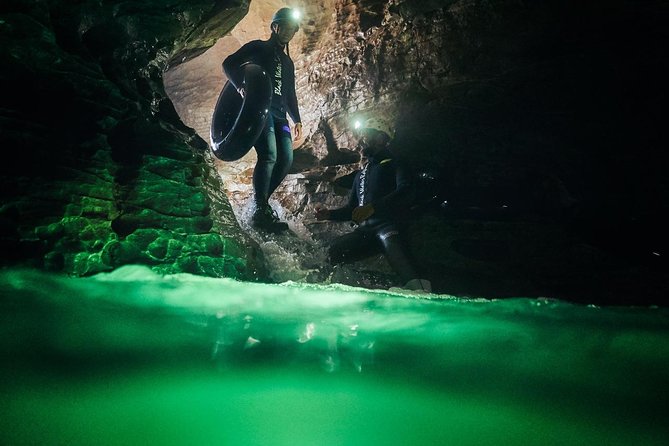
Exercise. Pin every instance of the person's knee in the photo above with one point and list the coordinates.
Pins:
(267, 158)
(389, 237)
(285, 155)
(266, 149)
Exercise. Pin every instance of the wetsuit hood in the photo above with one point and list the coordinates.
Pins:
(274, 41)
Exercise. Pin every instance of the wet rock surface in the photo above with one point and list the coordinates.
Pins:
(103, 173)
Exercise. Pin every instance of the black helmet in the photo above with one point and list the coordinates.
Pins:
(286, 15)
(376, 123)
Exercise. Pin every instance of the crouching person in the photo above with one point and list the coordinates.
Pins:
(382, 194)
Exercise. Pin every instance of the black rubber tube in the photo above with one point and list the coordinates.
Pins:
(236, 122)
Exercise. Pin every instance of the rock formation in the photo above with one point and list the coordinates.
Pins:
(99, 170)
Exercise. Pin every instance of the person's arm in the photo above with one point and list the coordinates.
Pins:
(344, 213)
(291, 97)
(232, 65)
(402, 197)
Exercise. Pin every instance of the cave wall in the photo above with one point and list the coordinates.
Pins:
(539, 122)
(98, 170)
(541, 118)
(493, 94)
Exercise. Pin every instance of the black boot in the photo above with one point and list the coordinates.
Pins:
(266, 219)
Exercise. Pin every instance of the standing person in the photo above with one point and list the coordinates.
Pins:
(274, 146)
(382, 193)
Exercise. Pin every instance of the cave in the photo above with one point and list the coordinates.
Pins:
(139, 306)
(533, 129)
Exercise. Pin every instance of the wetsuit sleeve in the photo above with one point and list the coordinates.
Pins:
(401, 199)
(232, 65)
(346, 213)
(291, 96)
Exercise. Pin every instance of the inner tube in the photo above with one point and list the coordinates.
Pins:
(237, 122)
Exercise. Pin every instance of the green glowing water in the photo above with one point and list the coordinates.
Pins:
(135, 358)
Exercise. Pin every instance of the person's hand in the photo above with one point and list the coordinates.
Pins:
(241, 91)
(362, 213)
(322, 213)
(298, 131)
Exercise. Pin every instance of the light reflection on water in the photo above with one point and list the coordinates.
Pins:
(132, 357)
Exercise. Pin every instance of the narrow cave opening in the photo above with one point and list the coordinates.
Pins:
(194, 86)
(323, 153)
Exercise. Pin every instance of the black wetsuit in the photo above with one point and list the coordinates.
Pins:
(385, 183)
(274, 146)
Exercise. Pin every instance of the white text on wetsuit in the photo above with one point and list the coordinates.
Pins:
(277, 75)
(361, 189)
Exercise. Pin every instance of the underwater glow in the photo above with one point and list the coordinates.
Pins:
(133, 357)
(297, 15)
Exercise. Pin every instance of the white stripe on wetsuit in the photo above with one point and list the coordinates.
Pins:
(361, 188)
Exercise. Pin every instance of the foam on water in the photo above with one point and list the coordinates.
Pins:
(131, 356)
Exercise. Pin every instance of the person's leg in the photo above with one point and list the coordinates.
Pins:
(396, 254)
(264, 217)
(353, 246)
(262, 174)
(284, 153)
(394, 251)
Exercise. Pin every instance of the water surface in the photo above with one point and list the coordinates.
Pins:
(132, 357)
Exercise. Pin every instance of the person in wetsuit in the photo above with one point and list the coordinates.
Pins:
(382, 193)
(274, 146)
